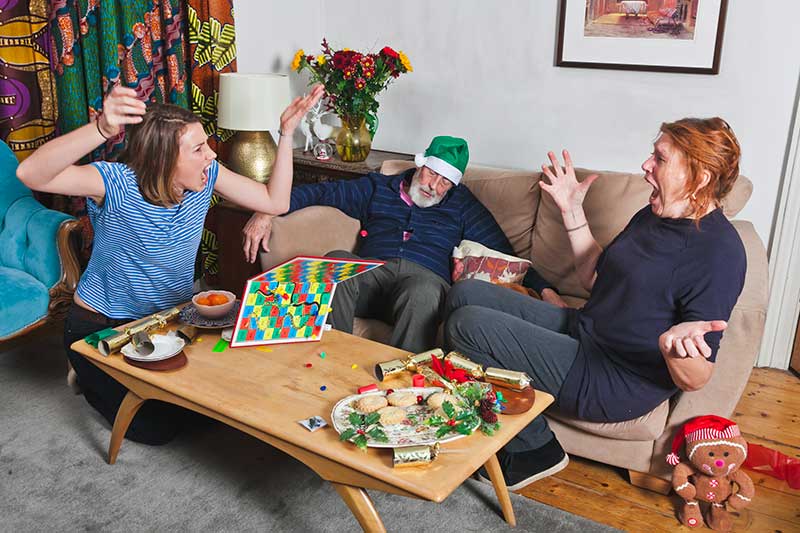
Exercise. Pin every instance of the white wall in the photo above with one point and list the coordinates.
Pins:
(484, 71)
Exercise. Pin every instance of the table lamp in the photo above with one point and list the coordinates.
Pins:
(251, 105)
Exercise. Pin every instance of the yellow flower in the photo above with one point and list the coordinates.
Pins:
(345, 49)
(297, 57)
(404, 60)
(321, 60)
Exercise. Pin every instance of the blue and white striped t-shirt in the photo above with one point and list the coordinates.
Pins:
(143, 255)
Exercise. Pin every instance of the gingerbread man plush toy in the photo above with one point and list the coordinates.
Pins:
(715, 450)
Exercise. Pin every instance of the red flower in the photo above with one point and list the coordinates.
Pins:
(360, 83)
(349, 72)
(369, 73)
(367, 62)
(340, 60)
(389, 51)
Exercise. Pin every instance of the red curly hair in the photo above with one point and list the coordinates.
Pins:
(708, 144)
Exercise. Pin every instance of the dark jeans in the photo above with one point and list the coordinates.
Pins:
(156, 422)
(501, 328)
(401, 292)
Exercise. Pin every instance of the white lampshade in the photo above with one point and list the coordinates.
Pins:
(252, 102)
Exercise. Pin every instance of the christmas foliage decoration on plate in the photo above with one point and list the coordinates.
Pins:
(477, 406)
(363, 426)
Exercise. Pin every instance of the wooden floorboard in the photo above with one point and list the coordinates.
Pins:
(768, 414)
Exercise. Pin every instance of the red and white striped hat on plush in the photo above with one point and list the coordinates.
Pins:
(702, 428)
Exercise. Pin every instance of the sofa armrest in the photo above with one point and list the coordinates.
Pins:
(314, 230)
(69, 239)
(737, 353)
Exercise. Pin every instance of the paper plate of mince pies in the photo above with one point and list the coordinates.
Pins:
(403, 414)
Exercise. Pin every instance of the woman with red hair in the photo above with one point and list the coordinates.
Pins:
(661, 294)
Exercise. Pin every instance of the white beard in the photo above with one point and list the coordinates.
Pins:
(419, 199)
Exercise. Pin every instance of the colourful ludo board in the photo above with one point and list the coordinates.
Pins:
(291, 302)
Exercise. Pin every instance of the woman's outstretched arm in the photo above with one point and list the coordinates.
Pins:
(51, 168)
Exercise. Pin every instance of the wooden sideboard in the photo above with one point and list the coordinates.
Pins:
(234, 271)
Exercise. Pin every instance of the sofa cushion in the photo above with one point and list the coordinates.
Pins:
(609, 205)
(25, 301)
(472, 260)
(647, 427)
(510, 195)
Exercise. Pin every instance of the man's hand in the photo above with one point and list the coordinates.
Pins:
(256, 232)
(552, 297)
(686, 339)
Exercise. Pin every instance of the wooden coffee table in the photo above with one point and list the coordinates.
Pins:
(265, 391)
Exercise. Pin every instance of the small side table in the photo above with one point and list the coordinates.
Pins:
(234, 271)
(308, 169)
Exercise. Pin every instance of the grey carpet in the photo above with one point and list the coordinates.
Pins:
(53, 474)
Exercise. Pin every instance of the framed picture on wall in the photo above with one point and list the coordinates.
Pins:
(656, 35)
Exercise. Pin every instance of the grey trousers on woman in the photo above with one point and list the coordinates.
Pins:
(401, 293)
(498, 327)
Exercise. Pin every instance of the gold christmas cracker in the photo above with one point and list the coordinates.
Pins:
(155, 321)
(412, 363)
(507, 378)
(413, 456)
(432, 377)
(142, 343)
(187, 333)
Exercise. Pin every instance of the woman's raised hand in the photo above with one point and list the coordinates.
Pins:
(291, 116)
(565, 189)
(120, 107)
(687, 338)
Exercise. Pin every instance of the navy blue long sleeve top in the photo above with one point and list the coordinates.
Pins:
(375, 201)
(657, 273)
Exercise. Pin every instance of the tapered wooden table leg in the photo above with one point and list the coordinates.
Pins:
(361, 506)
(499, 482)
(127, 409)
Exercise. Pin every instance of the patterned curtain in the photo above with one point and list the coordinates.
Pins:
(28, 106)
(137, 43)
(212, 51)
(28, 101)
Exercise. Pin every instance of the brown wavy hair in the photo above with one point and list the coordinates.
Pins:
(708, 144)
(152, 150)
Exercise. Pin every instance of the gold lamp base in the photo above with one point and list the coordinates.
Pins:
(252, 154)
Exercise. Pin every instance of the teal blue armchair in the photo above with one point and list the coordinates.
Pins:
(39, 266)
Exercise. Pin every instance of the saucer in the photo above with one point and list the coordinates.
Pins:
(165, 347)
(190, 315)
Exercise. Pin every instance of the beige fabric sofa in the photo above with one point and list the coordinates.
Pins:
(533, 224)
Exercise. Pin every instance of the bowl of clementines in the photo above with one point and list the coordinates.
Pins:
(213, 304)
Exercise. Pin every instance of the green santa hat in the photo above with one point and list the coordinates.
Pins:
(447, 156)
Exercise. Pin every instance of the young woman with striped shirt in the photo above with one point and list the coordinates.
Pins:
(147, 212)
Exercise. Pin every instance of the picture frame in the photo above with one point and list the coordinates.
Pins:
(682, 36)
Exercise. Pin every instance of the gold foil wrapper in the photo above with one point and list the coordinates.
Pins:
(142, 343)
(187, 333)
(414, 456)
(156, 321)
(507, 378)
(412, 363)
(431, 376)
(460, 361)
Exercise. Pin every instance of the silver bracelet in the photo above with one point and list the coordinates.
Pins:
(569, 230)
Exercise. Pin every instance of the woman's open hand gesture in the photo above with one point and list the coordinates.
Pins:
(687, 338)
(120, 107)
(291, 116)
(565, 189)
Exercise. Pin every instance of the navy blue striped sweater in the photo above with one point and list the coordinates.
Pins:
(375, 201)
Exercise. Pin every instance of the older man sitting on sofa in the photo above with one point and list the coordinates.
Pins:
(412, 221)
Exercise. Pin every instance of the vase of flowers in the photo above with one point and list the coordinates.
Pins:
(352, 82)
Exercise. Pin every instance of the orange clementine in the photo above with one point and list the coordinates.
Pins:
(204, 300)
(218, 299)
